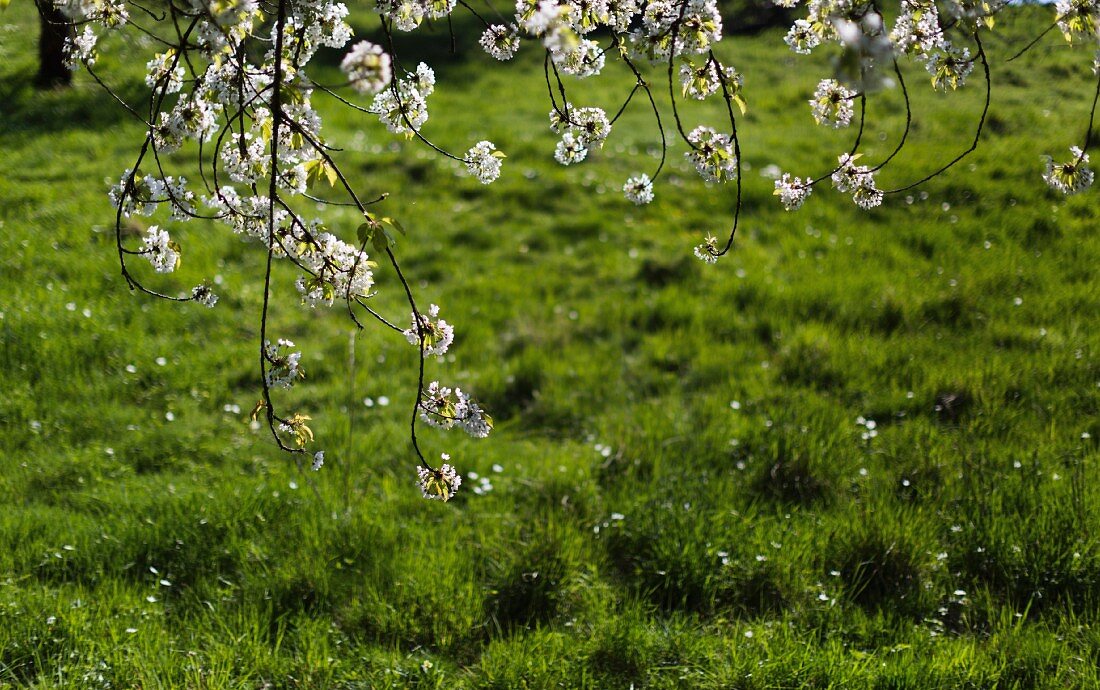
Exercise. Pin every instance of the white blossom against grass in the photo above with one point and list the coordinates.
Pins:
(124, 197)
(112, 13)
(192, 118)
(425, 79)
(917, 29)
(802, 38)
(437, 335)
(1069, 178)
(318, 460)
(146, 193)
(698, 26)
(81, 48)
(441, 484)
(368, 67)
(712, 154)
(832, 103)
(548, 20)
(483, 161)
(639, 189)
(707, 252)
(159, 249)
(587, 125)
(338, 269)
(949, 67)
(245, 158)
(406, 111)
(406, 14)
(585, 59)
(445, 408)
(620, 14)
(283, 367)
(701, 82)
(164, 72)
(1078, 19)
(586, 15)
(570, 150)
(204, 295)
(792, 192)
(858, 180)
(500, 41)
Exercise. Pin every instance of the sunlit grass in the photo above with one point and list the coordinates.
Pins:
(680, 491)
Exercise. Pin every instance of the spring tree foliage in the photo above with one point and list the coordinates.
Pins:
(231, 103)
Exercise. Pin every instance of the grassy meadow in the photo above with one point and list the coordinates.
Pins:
(859, 452)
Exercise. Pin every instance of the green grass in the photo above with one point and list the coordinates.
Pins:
(640, 531)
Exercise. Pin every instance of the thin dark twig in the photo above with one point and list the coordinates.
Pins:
(653, 104)
(116, 96)
(855, 145)
(1092, 117)
(736, 154)
(1034, 41)
(273, 193)
(378, 316)
(908, 121)
(977, 134)
(622, 108)
(474, 12)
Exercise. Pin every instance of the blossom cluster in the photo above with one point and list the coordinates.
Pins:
(433, 337)
(235, 88)
(858, 180)
(438, 484)
(283, 367)
(444, 408)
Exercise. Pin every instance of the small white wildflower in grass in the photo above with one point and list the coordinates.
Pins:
(318, 460)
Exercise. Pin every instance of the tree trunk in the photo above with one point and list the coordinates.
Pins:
(56, 28)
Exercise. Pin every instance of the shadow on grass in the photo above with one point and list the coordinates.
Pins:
(23, 108)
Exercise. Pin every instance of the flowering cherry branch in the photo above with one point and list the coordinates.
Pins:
(230, 86)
